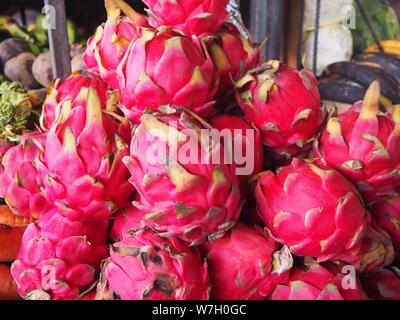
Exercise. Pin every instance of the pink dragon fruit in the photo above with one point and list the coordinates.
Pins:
(162, 68)
(233, 55)
(89, 296)
(18, 178)
(192, 17)
(80, 165)
(4, 147)
(106, 48)
(246, 265)
(364, 145)
(59, 258)
(387, 214)
(284, 104)
(183, 192)
(74, 88)
(148, 267)
(317, 282)
(383, 284)
(126, 221)
(375, 253)
(315, 212)
(247, 150)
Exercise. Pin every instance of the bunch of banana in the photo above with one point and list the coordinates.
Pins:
(32, 35)
(341, 90)
(391, 46)
(348, 81)
(36, 33)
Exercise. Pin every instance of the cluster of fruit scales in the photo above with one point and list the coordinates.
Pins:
(197, 230)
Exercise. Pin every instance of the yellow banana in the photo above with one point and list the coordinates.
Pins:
(389, 46)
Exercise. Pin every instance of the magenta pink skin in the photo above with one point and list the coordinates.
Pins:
(376, 251)
(111, 45)
(167, 69)
(291, 95)
(85, 179)
(235, 123)
(125, 221)
(324, 224)
(90, 296)
(146, 266)
(240, 265)
(237, 59)
(18, 178)
(202, 200)
(387, 214)
(193, 17)
(60, 257)
(317, 283)
(383, 284)
(4, 147)
(70, 89)
(375, 179)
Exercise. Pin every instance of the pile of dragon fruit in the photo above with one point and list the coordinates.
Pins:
(317, 218)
